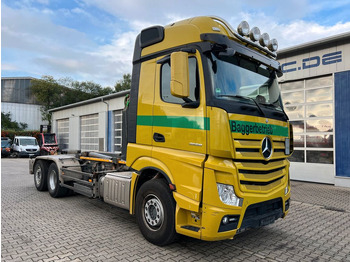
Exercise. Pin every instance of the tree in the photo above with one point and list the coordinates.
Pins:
(8, 124)
(49, 93)
(91, 89)
(52, 93)
(124, 84)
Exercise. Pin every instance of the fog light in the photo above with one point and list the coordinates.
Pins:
(273, 45)
(254, 34)
(286, 190)
(286, 205)
(224, 220)
(264, 39)
(243, 28)
(227, 195)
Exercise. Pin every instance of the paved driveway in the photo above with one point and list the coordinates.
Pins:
(36, 227)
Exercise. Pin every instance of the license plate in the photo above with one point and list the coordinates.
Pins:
(267, 220)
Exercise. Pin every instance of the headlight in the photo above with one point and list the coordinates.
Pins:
(227, 195)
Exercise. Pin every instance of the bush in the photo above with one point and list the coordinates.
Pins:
(12, 133)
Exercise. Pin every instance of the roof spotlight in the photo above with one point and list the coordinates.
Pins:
(243, 28)
(264, 39)
(254, 34)
(273, 45)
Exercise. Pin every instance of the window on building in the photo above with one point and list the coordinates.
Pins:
(309, 105)
(117, 131)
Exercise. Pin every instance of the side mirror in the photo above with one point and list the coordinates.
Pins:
(179, 84)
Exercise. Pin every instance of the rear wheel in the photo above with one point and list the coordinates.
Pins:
(155, 212)
(40, 175)
(53, 183)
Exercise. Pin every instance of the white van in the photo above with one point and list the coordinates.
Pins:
(25, 146)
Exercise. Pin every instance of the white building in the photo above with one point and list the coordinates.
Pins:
(17, 99)
(94, 124)
(316, 93)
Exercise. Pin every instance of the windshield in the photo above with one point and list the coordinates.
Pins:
(234, 77)
(49, 139)
(28, 142)
(5, 143)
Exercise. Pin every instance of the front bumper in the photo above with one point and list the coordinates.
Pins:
(26, 153)
(240, 219)
(258, 208)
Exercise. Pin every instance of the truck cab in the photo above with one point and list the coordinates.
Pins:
(206, 115)
(48, 144)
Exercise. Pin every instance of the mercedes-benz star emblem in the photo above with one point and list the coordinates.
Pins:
(266, 148)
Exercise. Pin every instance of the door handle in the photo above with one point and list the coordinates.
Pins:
(158, 137)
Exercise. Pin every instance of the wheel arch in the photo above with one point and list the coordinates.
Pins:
(147, 174)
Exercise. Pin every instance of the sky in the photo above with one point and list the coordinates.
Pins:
(93, 40)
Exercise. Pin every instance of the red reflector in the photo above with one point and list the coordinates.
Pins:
(172, 187)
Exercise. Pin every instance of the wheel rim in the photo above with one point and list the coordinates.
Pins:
(52, 179)
(38, 175)
(153, 212)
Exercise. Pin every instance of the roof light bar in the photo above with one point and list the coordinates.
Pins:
(248, 36)
(255, 35)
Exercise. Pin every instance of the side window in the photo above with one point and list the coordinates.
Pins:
(165, 83)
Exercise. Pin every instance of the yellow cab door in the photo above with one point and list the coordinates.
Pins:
(180, 127)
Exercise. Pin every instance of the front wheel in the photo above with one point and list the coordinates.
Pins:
(155, 212)
(53, 184)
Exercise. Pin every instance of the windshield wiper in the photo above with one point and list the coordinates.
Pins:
(246, 98)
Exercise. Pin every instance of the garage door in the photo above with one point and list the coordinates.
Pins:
(63, 133)
(89, 132)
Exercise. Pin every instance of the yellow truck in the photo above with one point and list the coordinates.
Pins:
(206, 139)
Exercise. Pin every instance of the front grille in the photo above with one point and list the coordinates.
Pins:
(261, 176)
(251, 148)
(260, 172)
(254, 183)
(263, 213)
(255, 173)
(31, 150)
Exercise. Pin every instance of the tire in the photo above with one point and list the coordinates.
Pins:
(53, 183)
(15, 154)
(40, 175)
(155, 212)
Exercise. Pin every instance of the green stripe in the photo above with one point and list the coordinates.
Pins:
(246, 128)
(190, 122)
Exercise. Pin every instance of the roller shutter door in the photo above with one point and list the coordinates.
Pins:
(63, 133)
(89, 133)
